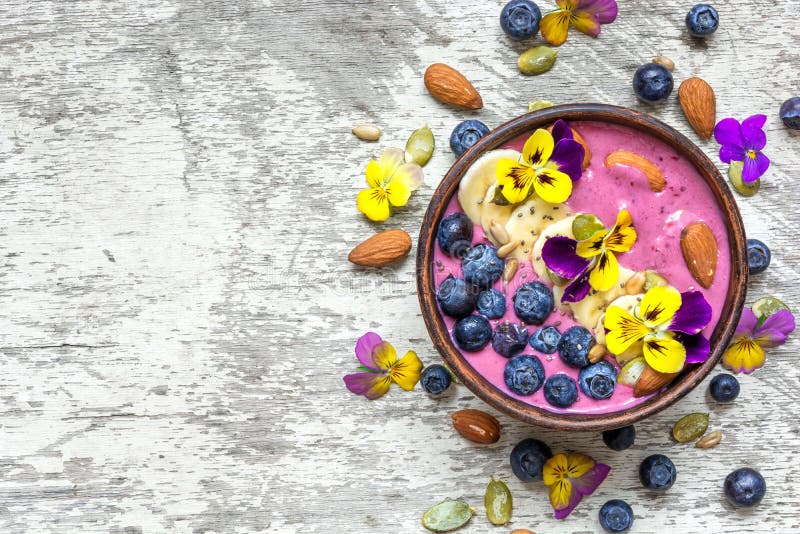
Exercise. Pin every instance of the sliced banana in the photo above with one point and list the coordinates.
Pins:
(529, 220)
(588, 311)
(562, 227)
(491, 212)
(478, 178)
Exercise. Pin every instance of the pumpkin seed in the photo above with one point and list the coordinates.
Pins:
(653, 279)
(498, 502)
(419, 147)
(537, 60)
(557, 280)
(367, 132)
(735, 176)
(710, 440)
(690, 427)
(539, 104)
(766, 306)
(447, 515)
(585, 225)
(631, 371)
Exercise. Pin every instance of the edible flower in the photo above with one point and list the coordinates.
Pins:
(380, 367)
(746, 353)
(549, 164)
(591, 263)
(391, 181)
(585, 15)
(744, 142)
(571, 477)
(666, 325)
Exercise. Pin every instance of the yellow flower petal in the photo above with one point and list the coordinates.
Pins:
(593, 246)
(623, 329)
(384, 356)
(397, 193)
(379, 388)
(552, 186)
(663, 353)
(606, 273)
(406, 371)
(374, 204)
(408, 174)
(743, 355)
(554, 27)
(623, 235)
(659, 305)
(585, 23)
(515, 178)
(578, 464)
(390, 160)
(374, 175)
(538, 148)
(560, 493)
(555, 469)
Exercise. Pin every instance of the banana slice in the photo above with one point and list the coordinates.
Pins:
(562, 227)
(588, 311)
(529, 220)
(493, 212)
(478, 178)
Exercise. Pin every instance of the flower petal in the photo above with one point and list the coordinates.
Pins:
(554, 469)
(384, 355)
(516, 179)
(578, 464)
(728, 153)
(606, 273)
(774, 329)
(552, 186)
(561, 130)
(371, 385)
(390, 160)
(409, 174)
(555, 26)
(659, 305)
(623, 235)
(397, 193)
(664, 353)
(374, 204)
(568, 158)
(405, 372)
(559, 256)
(623, 329)
(593, 246)
(753, 132)
(604, 10)
(729, 132)
(743, 356)
(574, 500)
(561, 496)
(364, 347)
(577, 290)
(374, 174)
(585, 23)
(747, 323)
(693, 315)
(697, 348)
(754, 168)
(538, 148)
(589, 481)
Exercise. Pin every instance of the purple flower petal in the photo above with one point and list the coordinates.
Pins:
(729, 132)
(753, 133)
(747, 323)
(728, 153)
(588, 482)
(693, 315)
(604, 10)
(574, 500)
(697, 348)
(774, 329)
(568, 154)
(560, 257)
(361, 383)
(364, 348)
(577, 290)
(561, 130)
(754, 168)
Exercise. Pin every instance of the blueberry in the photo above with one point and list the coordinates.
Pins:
(652, 82)
(561, 391)
(790, 113)
(435, 379)
(509, 339)
(745, 487)
(456, 297)
(724, 388)
(528, 458)
(758, 256)
(546, 339)
(616, 516)
(481, 266)
(702, 20)
(598, 380)
(657, 472)
(533, 302)
(466, 134)
(491, 304)
(520, 19)
(574, 346)
(453, 231)
(472, 333)
(619, 439)
(524, 374)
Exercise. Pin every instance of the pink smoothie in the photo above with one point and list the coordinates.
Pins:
(659, 219)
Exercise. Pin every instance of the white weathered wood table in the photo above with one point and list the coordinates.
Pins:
(178, 184)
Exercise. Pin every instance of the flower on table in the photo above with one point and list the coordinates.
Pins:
(571, 477)
(591, 263)
(380, 367)
(745, 354)
(665, 327)
(586, 16)
(391, 181)
(549, 164)
(744, 142)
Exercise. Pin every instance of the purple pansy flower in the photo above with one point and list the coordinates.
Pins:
(745, 354)
(744, 142)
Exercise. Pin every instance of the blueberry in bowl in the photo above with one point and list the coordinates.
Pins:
(545, 339)
(574, 346)
(481, 266)
(560, 391)
(455, 234)
(533, 302)
(472, 333)
(456, 297)
(598, 380)
(491, 304)
(524, 374)
(509, 339)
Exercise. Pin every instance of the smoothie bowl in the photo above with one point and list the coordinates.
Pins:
(582, 267)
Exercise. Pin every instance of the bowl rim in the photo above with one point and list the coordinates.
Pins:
(691, 376)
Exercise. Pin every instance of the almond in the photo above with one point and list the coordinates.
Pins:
(651, 381)
(699, 105)
(699, 247)
(381, 249)
(630, 159)
(476, 426)
(447, 85)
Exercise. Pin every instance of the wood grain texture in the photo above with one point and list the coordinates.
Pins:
(178, 182)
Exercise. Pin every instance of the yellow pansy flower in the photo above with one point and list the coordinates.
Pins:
(391, 181)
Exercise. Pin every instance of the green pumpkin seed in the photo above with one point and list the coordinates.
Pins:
(631, 371)
(735, 176)
(498, 502)
(557, 280)
(690, 428)
(537, 60)
(585, 225)
(447, 515)
(653, 279)
(539, 104)
(419, 147)
(766, 306)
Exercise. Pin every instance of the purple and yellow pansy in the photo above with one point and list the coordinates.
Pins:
(744, 142)
(745, 354)
(586, 16)
(380, 367)
(549, 164)
(571, 477)
(391, 181)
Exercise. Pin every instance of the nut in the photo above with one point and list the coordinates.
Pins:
(367, 132)
(597, 353)
(476, 426)
(665, 62)
(630, 159)
(522, 531)
(507, 249)
(512, 265)
(710, 440)
(635, 283)
(699, 247)
(699, 104)
(499, 233)
(381, 249)
(651, 381)
(449, 86)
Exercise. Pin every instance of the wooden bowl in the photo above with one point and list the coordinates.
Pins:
(690, 376)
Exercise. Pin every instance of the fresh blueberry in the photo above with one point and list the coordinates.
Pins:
(528, 458)
(546, 339)
(758, 256)
(524, 374)
(533, 302)
(574, 346)
(598, 380)
(561, 391)
(619, 439)
(466, 134)
(790, 113)
(435, 379)
(454, 230)
(616, 516)
(481, 266)
(745, 487)
(702, 20)
(456, 297)
(652, 82)
(491, 304)
(520, 19)
(724, 388)
(472, 333)
(657, 472)
(509, 339)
